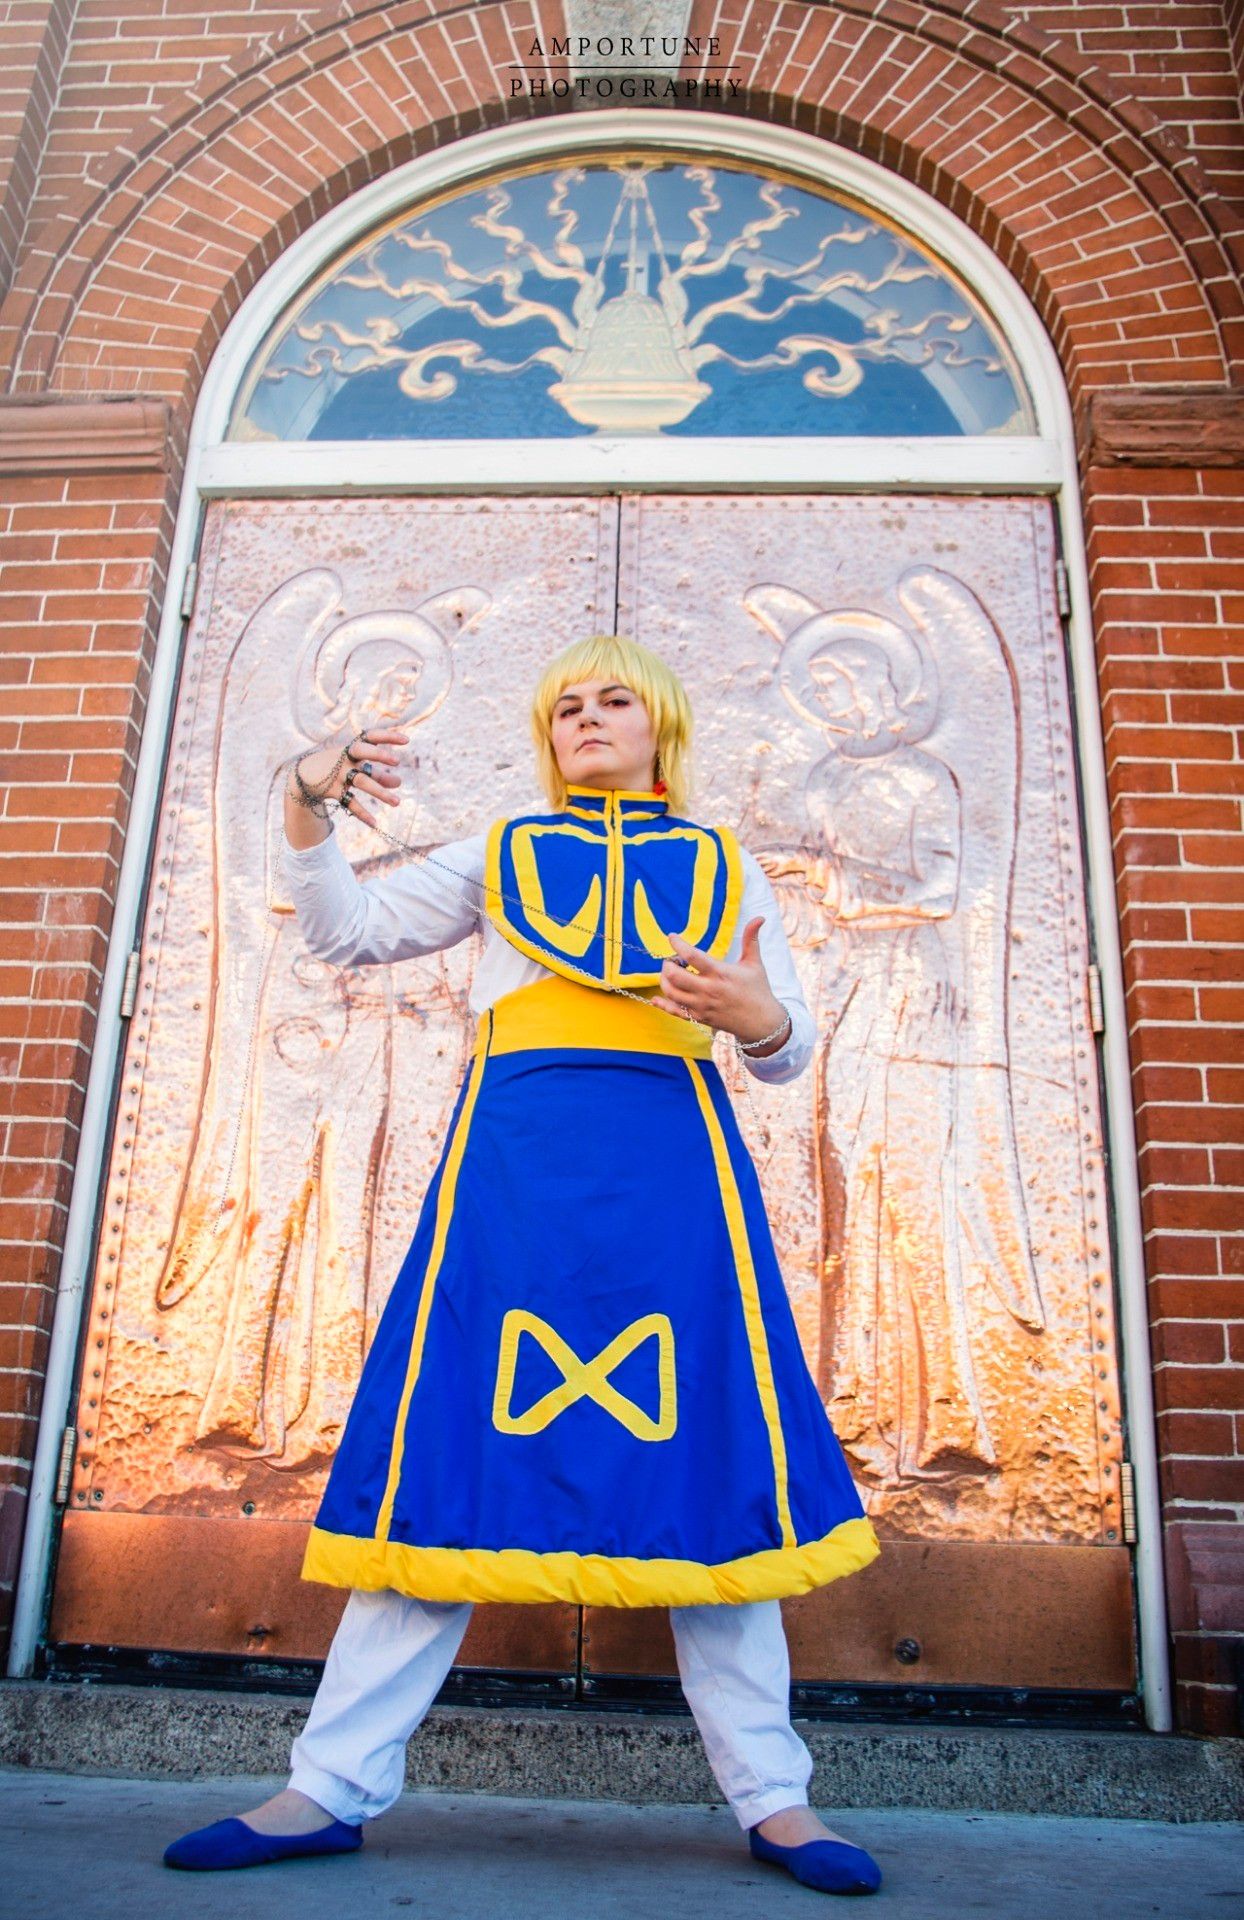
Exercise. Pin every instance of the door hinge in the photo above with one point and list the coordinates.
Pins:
(64, 1469)
(188, 587)
(1097, 1008)
(129, 988)
(1127, 1496)
(1062, 590)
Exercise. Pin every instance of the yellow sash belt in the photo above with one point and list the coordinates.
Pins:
(561, 1013)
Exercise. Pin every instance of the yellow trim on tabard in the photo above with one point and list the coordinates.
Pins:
(585, 1580)
(745, 1270)
(615, 959)
(575, 796)
(655, 937)
(494, 902)
(561, 1013)
(651, 933)
(574, 936)
(567, 938)
(444, 1213)
(586, 1378)
(734, 894)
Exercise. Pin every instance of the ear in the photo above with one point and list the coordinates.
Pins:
(780, 609)
(455, 610)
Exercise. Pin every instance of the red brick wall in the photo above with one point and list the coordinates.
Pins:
(1175, 55)
(81, 567)
(1095, 205)
(1235, 28)
(34, 36)
(1088, 144)
(1167, 557)
(129, 60)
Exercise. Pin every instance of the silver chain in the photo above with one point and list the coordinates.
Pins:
(624, 993)
(431, 859)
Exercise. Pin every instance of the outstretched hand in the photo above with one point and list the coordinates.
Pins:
(733, 995)
(371, 770)
(383, 782)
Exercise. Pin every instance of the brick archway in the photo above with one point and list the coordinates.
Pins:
(1101, 219)
(1105, 221)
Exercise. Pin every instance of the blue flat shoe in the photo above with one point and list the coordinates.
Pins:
(231, 1843)
(831, 1866)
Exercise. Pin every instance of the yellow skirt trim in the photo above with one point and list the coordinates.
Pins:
(749, 1295)
(588, 1580)
(444, 1214)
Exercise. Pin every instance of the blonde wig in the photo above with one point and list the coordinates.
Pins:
(612, 657)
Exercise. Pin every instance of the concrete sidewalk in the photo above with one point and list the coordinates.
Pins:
(80, 1848)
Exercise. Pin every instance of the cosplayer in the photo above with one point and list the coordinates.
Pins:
(587, 1385)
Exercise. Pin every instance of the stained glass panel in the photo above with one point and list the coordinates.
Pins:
(633, 295)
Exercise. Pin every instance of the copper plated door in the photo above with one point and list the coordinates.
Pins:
(883, 718)
(279, 1119)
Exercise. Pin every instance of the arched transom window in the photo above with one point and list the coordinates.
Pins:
(634, 294)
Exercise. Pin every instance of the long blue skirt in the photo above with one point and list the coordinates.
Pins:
(587, 1384)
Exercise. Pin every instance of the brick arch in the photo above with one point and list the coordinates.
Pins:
(1127, 262)
(217, 194)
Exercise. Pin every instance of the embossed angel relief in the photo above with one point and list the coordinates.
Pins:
(904, 887)
(297, 1122)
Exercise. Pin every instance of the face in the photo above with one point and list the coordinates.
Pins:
(603, 737)
(852, 686)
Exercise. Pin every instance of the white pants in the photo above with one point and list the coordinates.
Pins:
(390, 1657)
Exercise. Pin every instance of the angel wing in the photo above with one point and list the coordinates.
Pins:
(977, 734)
(266, 714)
(254, 701)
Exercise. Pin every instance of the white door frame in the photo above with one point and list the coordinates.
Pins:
(1044, 463)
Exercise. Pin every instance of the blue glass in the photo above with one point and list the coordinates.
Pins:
(638, 296)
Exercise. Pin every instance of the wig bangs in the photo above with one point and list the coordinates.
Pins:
(614, 657)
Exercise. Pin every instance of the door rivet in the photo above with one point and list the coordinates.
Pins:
(908, 1651)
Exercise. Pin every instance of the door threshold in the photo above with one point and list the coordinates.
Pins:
(1081, 1709)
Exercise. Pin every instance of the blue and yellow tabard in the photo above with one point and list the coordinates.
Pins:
(595, 892)
(587, 1385)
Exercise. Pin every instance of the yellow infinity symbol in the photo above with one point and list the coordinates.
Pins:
(585, 1379)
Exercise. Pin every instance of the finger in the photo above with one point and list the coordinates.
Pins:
(686, 1009)
(677, 981)
(749, 952)
(368, 759)
(381, 785)
(691, 956)
(359, 811)
(671, 1006)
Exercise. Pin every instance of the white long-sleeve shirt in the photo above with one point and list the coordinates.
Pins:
(436, 902)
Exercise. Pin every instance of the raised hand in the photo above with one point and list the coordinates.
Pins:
(734, 995)
(369, 765)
